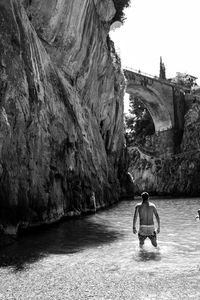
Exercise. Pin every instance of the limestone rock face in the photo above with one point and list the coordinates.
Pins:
(61, 110)
(175, 175)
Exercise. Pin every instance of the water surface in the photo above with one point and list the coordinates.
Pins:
(97, 257)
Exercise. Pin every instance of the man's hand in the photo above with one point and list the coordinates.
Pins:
(134, 230)
(158, 230)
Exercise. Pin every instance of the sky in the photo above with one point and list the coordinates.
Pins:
(167, 28)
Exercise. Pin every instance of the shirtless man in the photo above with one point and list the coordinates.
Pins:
(146, 210)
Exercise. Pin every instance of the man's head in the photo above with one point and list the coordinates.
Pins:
(145, 196)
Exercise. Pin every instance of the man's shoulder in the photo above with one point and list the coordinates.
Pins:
(152, 204)
(138, 204)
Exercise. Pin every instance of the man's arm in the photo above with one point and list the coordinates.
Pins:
(157, 218)
(135, 219)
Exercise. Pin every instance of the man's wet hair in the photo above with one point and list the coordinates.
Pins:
(145, 196)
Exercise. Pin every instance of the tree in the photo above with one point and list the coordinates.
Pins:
(138, 122)
(185, 80)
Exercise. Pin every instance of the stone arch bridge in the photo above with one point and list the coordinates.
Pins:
(165, 102)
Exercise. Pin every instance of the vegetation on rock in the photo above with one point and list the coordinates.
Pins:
(120, 5)
(185, 80)
(138, 122)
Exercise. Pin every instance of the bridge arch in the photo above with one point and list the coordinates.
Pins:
(154, 103)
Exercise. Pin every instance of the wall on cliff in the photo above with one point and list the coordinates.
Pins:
(61, 110)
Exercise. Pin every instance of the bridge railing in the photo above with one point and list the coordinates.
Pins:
(140, 72)
(166, 81)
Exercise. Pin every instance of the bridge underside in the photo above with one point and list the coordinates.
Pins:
(155, 105)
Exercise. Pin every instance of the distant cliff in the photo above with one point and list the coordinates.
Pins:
(177, 174)
(61, 110)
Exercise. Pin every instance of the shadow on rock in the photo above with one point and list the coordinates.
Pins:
(66, 238)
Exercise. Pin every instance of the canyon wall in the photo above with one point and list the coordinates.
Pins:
(178, 174)
(61, 110)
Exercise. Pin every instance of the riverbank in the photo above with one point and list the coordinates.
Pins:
(25, 230)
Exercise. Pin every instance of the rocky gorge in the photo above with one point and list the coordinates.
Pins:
(61, 113)
(176, 174)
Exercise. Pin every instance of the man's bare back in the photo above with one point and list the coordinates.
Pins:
(146, 210)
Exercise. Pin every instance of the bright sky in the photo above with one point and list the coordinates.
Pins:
(167, 28)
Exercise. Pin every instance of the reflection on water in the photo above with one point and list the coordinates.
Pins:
(147, 254)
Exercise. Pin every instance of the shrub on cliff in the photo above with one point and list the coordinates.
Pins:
(119, 6)
(138, 123)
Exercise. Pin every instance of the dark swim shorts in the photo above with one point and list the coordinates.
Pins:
(152, 237)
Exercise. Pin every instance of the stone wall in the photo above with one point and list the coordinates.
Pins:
(164, 143)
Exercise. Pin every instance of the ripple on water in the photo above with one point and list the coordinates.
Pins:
(103, 248)
(144, 255)
(168, 252)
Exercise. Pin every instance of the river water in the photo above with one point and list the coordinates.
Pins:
(97, 257)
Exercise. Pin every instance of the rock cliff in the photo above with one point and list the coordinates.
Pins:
(177, 174)
(61, 110)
